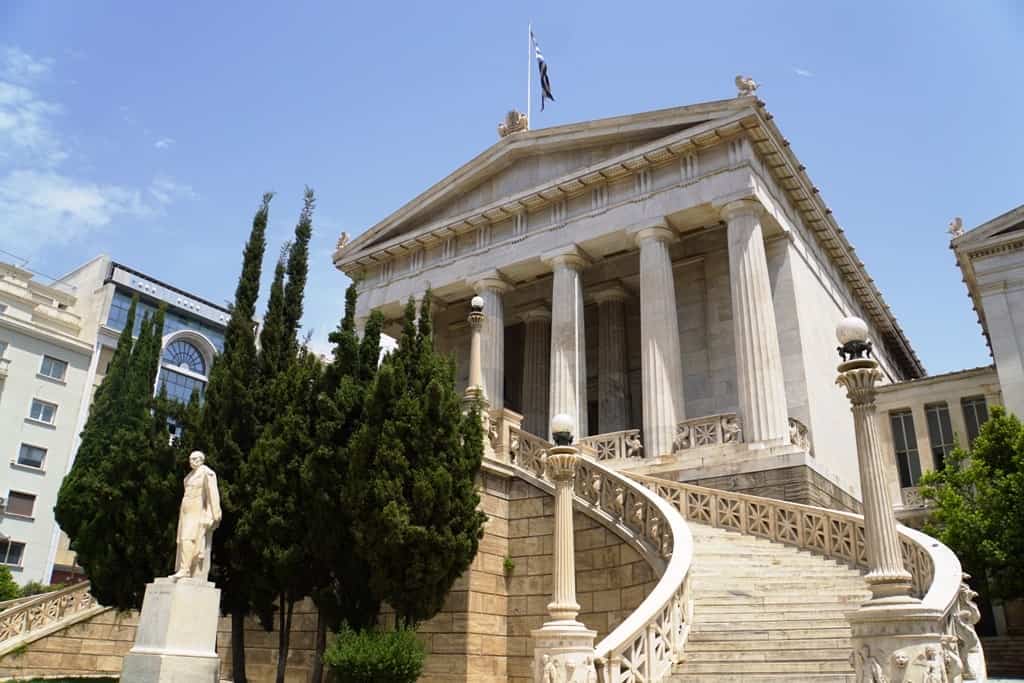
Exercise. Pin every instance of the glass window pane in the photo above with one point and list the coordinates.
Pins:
(53, 367)
(31, 456)
(905, 446)
(179, 387)
(43, 411)
(19, 503)
(181, 354)
(975, 414)
(11, 554)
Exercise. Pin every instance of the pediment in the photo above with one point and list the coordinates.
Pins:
(1007, 226)
(534, 158)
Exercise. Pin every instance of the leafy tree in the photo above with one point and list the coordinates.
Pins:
(8, 588)
(340, 577)
(228, 433)
(411, 479)
(979, 506)
(127, 541)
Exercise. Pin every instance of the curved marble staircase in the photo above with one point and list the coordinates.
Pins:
(764, 611)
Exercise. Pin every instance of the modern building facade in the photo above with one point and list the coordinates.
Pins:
(96, 312)
(672, 275)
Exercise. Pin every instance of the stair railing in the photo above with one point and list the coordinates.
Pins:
(621, 445)
(44, 614)
(645, 646)
(937, 577)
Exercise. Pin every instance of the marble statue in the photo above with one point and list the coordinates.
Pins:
(199, 515)
(956, 226)
(515, 121)
(745, 86)
(550, 672)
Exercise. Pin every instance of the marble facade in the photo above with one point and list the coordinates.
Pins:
(640, 273)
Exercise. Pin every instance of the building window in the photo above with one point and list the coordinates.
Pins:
(904, 440)
(940, 432)
(54, 368)
(180, 387)
(181, 354)
(975, 415)
(21, 504)
(31, 456)
(11, 552)
(43, 412)
(3, 348)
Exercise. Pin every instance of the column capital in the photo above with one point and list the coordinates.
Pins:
(570, 256)
(744, 206)
(489, 280)
(609, 291)
(655, 230)
(537, 312)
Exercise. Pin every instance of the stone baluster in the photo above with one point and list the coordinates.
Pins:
(563, 642)
(491, 286)
(568, 348)
(760, 383)
(661, 359)
(536, 369)
(612, 375)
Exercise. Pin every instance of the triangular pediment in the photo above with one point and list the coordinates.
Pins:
(530, 159)
(1007, 226)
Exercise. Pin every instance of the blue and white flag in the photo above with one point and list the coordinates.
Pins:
(545, 83)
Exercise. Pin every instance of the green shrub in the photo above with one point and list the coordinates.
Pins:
(375, 656)
(8, 588)
(36, 588)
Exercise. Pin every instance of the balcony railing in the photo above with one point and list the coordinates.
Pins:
(615, 445)
(713, 430)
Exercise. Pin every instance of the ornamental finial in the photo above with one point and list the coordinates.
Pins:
(745, 86)
(956, 227)
(515, 121)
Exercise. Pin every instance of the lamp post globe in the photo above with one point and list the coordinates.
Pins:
(562, 429)
(476, 303)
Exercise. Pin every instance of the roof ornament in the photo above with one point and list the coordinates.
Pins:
(515, 121)
(745, 86)
(956, 227)
(342, 242)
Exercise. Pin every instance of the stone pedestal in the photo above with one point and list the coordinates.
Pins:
(903, 644)
(563, 652)
(177, 634)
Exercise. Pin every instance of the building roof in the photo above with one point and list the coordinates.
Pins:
(1000, 234)
(658, 136)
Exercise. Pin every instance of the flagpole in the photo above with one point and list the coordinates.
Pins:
(529, 69)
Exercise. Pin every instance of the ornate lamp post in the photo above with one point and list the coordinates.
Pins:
(895, 638)
(475, 389)
(563, 645)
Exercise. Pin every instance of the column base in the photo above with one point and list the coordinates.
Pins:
(905, 643)
(565, 649)
(177, 634)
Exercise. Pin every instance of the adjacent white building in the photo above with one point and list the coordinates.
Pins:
(59, 341)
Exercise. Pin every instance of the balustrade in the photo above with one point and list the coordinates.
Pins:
(622, 445)
(713, 430)
(646, 645)
(49, 611)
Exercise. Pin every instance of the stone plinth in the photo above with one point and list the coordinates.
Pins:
(177, 634)
(565, 651)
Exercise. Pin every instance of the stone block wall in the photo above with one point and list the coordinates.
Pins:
(95, 646)
(794, 484)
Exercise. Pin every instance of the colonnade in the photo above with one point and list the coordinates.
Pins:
(554, 354)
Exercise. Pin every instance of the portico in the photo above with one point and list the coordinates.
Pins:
(656, 276)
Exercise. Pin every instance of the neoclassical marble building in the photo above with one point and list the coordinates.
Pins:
(674, 272)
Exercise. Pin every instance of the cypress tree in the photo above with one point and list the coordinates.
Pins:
(274, 346)
(298, 269)
(228, 432)
(341, 577)
(412, 472)
(125, 542)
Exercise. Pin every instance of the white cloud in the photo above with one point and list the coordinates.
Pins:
(44, 207)
(21, 67)
(165, 190)
(26, 126)
(163, 143)
(804, 73)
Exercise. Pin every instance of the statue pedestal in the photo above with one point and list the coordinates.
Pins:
(177, 634)
(563, 652)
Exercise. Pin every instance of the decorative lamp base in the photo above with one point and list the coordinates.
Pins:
(565, 651)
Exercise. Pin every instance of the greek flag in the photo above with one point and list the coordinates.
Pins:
(545, 83)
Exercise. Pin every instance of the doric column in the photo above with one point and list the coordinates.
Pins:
(612, 378)
(661, 359)
(536, 369)
(886, 576)
(760, 384)
(491, 286)
(568, 348)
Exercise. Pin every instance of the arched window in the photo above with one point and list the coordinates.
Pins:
(182, 354)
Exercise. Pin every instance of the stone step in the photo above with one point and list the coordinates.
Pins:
(701, 645)
(816, 654)
(707, 626)
(768, 667)
(703, 615)
(760, 678)
(761, 633)
(740, 596)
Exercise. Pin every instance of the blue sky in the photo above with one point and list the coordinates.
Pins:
(149, 130)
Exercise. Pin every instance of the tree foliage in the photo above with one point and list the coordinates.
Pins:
(412, 470)
(979, 506)
(125, 460)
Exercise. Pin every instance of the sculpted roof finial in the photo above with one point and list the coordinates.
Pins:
(956, 227)
(745, 86)
(515, 121)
